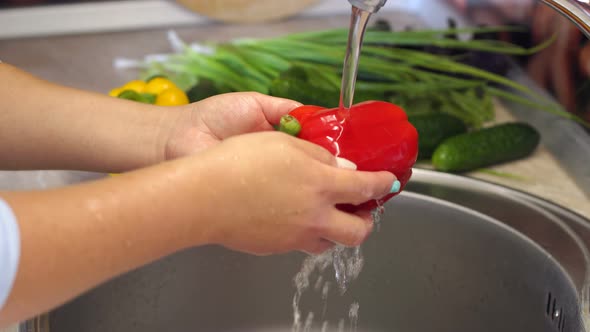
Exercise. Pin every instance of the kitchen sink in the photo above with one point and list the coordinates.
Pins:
(449, 254)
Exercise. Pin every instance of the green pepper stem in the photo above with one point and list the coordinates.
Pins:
(290, 125)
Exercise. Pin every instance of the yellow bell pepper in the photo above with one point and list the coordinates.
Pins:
(158, 84)
(135, 85)
(116, 92)
(158, 90)
(172, 97)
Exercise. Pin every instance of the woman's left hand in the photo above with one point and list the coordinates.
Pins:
(207, 122)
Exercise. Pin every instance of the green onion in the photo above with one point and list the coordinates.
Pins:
(409, 77)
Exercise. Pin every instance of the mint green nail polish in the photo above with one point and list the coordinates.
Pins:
(395, 187)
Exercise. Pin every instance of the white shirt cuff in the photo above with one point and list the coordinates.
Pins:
(9, 250)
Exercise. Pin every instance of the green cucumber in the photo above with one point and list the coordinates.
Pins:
(486, 147)
(433, 129)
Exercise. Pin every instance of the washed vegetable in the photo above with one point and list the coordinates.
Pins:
(485, 147)
(375, 135)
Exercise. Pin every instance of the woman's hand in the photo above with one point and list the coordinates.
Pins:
(260, 193)
(208, 122)
(268, 193)
(65, 128)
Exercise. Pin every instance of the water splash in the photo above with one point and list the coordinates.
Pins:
(319, 282)
(377, 214)
(325, 292)
(308, 322)
(353, 315)
(348, 263)
(302, 282)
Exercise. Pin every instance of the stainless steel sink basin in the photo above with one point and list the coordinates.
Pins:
(451, 254)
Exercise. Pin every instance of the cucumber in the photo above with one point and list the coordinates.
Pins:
(433, 129)
(486, 147)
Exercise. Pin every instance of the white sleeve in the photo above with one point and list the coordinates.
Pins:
(9, 250)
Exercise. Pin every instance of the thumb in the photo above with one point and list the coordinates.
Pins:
(273, 107)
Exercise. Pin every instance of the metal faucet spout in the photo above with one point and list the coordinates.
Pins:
(371, 6)
(578, 11)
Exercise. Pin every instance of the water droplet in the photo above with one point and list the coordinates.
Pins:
(325, 290)
(308, 322)
(318, 283)
(353, 314)
(377, 214)
(348, 263)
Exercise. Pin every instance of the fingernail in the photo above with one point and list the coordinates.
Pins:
(395, 187)
(345, 163)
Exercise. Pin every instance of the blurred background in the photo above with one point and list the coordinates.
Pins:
(564, 67)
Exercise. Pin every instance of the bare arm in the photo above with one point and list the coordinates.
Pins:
(74, 238)
(47, 126)
(77, 237)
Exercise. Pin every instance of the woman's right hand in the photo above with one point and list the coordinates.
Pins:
(268, 193)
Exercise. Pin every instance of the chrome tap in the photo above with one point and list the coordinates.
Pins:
(361, 11)
(578, 11)
(371, 6)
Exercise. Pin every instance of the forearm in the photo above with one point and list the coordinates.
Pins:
(75, 238)
(46, 126)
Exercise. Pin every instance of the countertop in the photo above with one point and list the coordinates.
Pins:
(86, 62)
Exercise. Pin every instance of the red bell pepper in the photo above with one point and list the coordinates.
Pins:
(375, 135)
